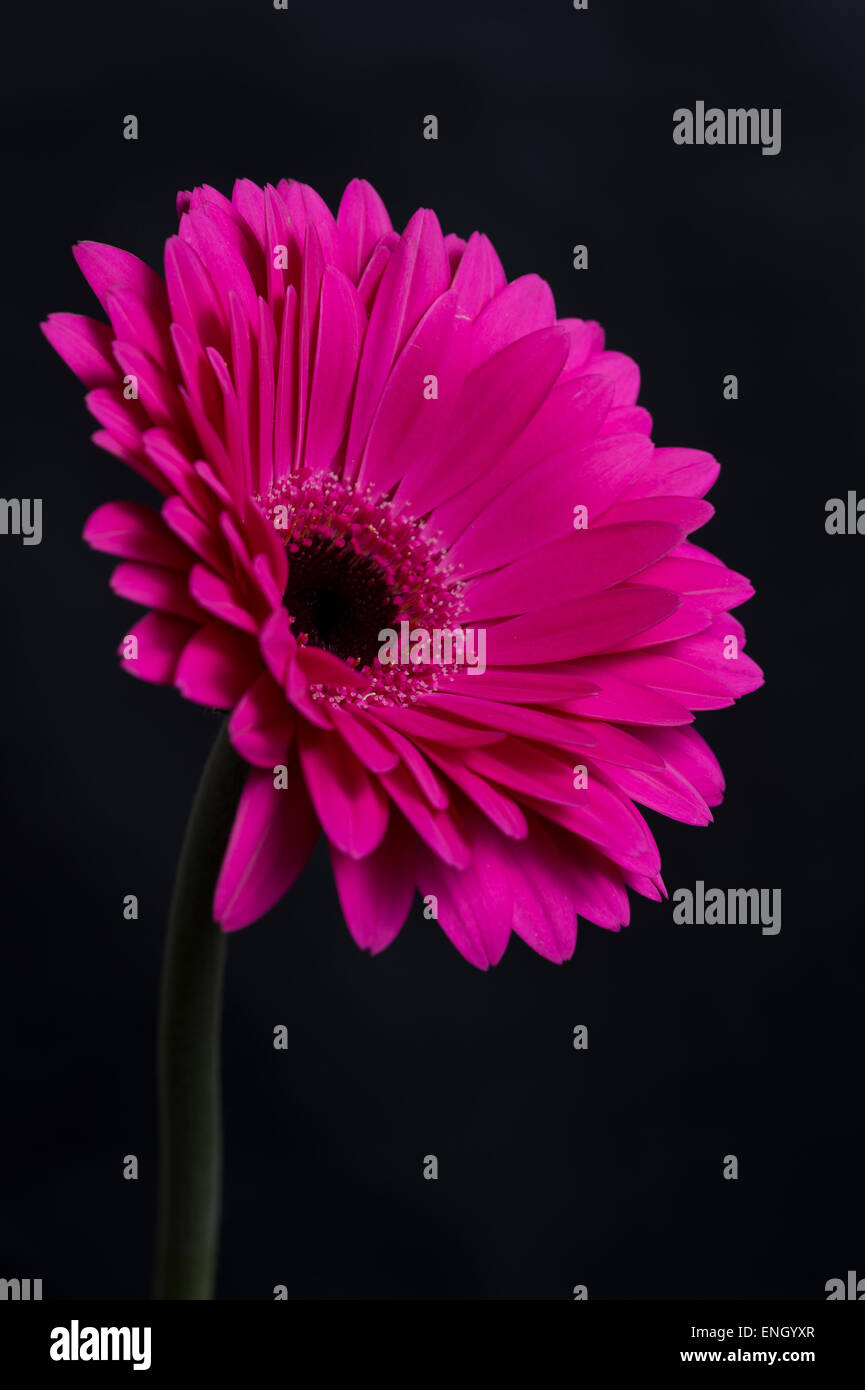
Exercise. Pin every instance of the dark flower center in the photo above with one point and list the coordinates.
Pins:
(338, 599)
(357, 564)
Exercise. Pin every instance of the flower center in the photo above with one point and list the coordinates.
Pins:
(338, 599)
(358, 566)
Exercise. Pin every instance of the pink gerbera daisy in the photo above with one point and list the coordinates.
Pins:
(356, 432)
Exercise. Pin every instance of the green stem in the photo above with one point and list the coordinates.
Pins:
(189, 1026)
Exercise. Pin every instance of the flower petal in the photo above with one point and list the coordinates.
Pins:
(261, 726)
(352, 809)
(274, 833)
(217, 666)
(376, 892)
(85, 346)
(160, 639)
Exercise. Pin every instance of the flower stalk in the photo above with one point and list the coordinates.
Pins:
(188, 1044)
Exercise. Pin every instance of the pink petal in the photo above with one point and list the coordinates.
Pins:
(437, 829)
(415, 762)
(195, 305)
(426, 724)
(362, 220)
(267, 361)
(161, 639)
(522, 307)
(225, 265)
(362, 737)
(196, 372)
(455, 246)
(474, 904)
(137, 321)
(278, 646)
(648, 887)
(713, 585)
(153, 586)
(608, 820)
(684, 682)
(106, 268)
(677, 472)
(665, 791)
(625, 419)
(220, 598)
(370, 280)
(497, 403)
(544, 914)
(306, 208)
(85, 346)
(376, 892)
(478, 276)
(274, 833)
(217, 666)
(621, 371)
(165, 451)
(687, 752)
(207, 543)
(136, 532)
(621, 700)
(535, 686)
(261, 726)
(280, 231)
(586, 341)
(688, 513)
(596, 883)
(103, 439)
(340, 334)
(557, 730)
(352, 809)
(309, 298)
(458, 915)
(408, 424)
(579, 628)
(323, 668)
(286, 401)
(576, 565)
(706, 650)
(537, 508)
(526, 768)
(688, 618)
(248, 198)
(155, 392)
(570, 416)
(416, 274)
(124, 418)
(499, 809)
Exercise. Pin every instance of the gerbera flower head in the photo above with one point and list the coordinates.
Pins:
(369, 446)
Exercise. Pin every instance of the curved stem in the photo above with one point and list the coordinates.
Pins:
(188, 1049)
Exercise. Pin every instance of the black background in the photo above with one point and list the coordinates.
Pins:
(557, 1167)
